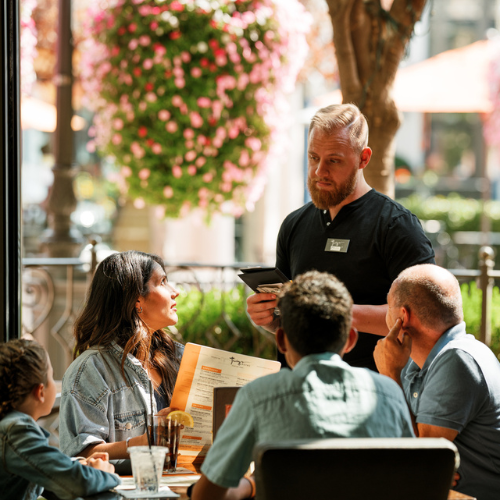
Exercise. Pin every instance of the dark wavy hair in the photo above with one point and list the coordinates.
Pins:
(110, 315)
(316, 313)
(23, 365)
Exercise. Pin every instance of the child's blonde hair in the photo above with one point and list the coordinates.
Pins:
(23, 365)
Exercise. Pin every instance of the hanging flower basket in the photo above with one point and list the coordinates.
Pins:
(189, 95)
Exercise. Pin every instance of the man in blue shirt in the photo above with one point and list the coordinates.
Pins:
(452, 381)
(321, 397)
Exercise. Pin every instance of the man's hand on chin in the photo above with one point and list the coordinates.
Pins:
(392, 354)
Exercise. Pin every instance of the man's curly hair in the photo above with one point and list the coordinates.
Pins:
(316, 313)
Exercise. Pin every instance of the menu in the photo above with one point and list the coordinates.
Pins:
(203, 368)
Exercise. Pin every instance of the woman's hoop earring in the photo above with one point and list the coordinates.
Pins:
(139, 310)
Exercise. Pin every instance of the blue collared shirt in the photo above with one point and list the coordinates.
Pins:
(322, 397)
(458, 388)
(98, 404)
(28, 464)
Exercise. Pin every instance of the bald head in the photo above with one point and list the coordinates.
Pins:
(431, 293)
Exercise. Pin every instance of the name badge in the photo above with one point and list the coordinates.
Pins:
(334, 245)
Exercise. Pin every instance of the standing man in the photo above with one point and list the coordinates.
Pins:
(452, 382)
(350, 230)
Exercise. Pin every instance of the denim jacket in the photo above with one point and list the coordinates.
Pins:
(28, 464)
(98, 404)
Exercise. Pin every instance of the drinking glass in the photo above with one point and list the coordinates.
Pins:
(167, 433)
(147, 466)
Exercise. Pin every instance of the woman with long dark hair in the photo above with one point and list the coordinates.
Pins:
(121, 352)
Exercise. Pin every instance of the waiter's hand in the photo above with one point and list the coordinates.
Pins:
(260, 307)
(392, 354)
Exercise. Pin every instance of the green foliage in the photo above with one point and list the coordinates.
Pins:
(457, 213)
(472, 297)
(206, 318)
(212, 317)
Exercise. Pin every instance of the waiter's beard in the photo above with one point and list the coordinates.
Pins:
(325, 199)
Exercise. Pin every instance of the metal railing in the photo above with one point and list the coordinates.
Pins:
(49, 314)
(40, 295)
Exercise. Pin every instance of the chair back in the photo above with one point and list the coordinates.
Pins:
(356, 469)
(223, 399)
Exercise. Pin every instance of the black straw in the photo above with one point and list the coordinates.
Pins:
(147, 431)
(152, 418)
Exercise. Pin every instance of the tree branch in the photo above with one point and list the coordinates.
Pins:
(340, 13)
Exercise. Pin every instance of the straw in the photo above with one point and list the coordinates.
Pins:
(147, 431)
(152, 418)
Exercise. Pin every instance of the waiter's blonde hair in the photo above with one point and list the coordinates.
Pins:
(342, 117)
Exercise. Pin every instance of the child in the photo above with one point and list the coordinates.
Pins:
(28, 464)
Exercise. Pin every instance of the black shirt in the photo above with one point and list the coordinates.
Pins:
(382, 237)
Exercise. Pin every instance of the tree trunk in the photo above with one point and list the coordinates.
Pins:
(369, 43)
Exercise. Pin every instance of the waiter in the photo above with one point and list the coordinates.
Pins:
(349, 229)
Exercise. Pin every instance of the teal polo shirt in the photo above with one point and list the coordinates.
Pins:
(459, 388)
(322, 397)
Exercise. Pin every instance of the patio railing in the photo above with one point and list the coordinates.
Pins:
(54, 291)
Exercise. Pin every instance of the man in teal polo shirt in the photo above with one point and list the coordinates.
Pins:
(321, 397)
(452, 381)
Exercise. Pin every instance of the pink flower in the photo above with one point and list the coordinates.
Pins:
(233, 132)
(126, 171)
(153, 25)
(235, 58)
(168, 192)
(179, 83)
(137, 151)
(253, 143)
(191, 170)
(116, 139)
(177, 100)
(188, 133)
(171, 127)
(203, 203)
(163, 115)
(196, 72)
(177, 61)
(143, 106)
(151, 97)
(207, 177)
(221, 60)
(204, 102)
(190, 155)
(144, 40)
(147, 64)
(178, 72)
(189, 144)
(226, 187)
(196, 119)
(156, 148)
(177, 171)
(176, 6)
(217, 142)
(144, 173)
(133, 44)
(200, 161)
(185, 56)
(91, 146)
(183, 109)
(117, 124)
(132, 27)
(159, 49)
(244, 158)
